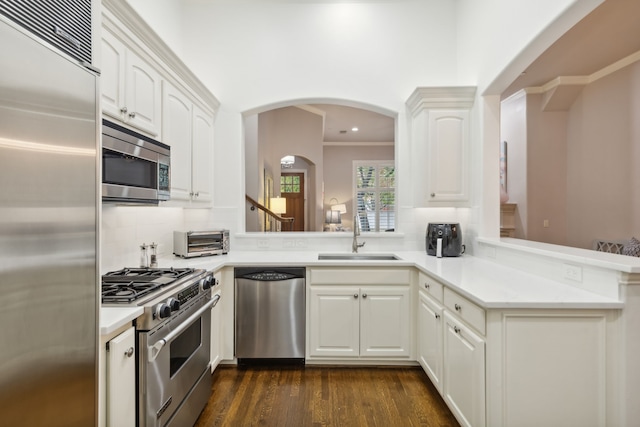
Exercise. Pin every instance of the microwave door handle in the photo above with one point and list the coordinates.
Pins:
(155, 349)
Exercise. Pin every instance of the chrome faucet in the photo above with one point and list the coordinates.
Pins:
(356, 232)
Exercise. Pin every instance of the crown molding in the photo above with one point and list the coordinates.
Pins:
(441, 97)
(153, 46)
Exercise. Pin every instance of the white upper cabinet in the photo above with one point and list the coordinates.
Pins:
(146, 86)
(202, 155)
(440, 126)
(130, 87)
(188, 129)
(176, 131)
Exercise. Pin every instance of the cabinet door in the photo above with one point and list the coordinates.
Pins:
(202, 162)
(112, 75)
(448, 157)
(384, 321)
(430, 338)
(143, 95)
(121, 380)
(176, 131)
(334, 326)
(216, 329)
(464, 369)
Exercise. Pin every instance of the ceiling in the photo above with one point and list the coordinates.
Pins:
(609, 33)
(339, 121)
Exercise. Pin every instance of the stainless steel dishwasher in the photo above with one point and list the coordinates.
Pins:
(269, 314)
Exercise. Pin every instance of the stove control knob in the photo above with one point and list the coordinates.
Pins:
(163, 311)
(174, 304)
(206, 282)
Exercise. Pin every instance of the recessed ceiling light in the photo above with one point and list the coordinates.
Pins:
(354, 129)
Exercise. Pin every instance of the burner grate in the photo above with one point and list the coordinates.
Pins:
(130, 284)
(126, 292)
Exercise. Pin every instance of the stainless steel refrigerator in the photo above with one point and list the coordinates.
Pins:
(48, 235)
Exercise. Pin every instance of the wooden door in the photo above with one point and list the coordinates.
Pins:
(292, 189)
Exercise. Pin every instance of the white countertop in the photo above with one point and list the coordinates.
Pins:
(112, 318)
(488, 284)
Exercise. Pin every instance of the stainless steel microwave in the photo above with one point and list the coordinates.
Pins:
(188, 244)
(135, 168)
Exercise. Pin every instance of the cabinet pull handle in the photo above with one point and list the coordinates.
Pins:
(427, 286)
(124, 110)
(457, 307)
(129, 352)
(355, 295)
(132, 114)
(456, 329)
(437, 316)
(364, 295)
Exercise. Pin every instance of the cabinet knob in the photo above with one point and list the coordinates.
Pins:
(364, 295)
(355, 295)
(197, 194)
(433, 194)
(457, 307)
(124, 110)
(426, 286)
(132, 114)
(437, 316)
(129, 352)
(456, 329)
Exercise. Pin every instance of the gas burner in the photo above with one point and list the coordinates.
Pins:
(126, 292)
(131, 284)
(147, 274)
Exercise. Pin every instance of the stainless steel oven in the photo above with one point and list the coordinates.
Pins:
(173, 341)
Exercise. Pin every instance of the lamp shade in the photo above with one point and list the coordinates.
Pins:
(342, 208)
(278, 205)
(333, 217)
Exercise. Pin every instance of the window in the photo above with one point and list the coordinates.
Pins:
(375, 195)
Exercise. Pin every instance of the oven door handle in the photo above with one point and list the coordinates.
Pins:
(155, 349)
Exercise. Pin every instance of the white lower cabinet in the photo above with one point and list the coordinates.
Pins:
(348, 319)
(464, 372)
(121, 380)
(430, 338)
(216, 324)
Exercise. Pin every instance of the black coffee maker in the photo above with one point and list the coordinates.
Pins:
(444, 239)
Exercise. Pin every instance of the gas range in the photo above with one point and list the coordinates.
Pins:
(162, 292)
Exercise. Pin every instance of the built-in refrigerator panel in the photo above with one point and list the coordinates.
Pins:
(48, 235)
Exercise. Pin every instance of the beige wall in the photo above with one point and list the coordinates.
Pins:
(338, 173)
(603, 144)
(577, 168)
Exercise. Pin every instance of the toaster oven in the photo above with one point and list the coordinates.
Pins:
(188, 244)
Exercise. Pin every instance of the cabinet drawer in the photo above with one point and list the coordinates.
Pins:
(465, 309)
(430, 286)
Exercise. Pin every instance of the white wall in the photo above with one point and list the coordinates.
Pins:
(258, 53)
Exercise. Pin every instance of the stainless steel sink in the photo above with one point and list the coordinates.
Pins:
(358, 257)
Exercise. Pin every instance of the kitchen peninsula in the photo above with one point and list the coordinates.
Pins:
(496, 341)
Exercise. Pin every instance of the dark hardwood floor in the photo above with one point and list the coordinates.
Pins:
(324, 396)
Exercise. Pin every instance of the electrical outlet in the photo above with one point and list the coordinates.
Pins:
(573, 272)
